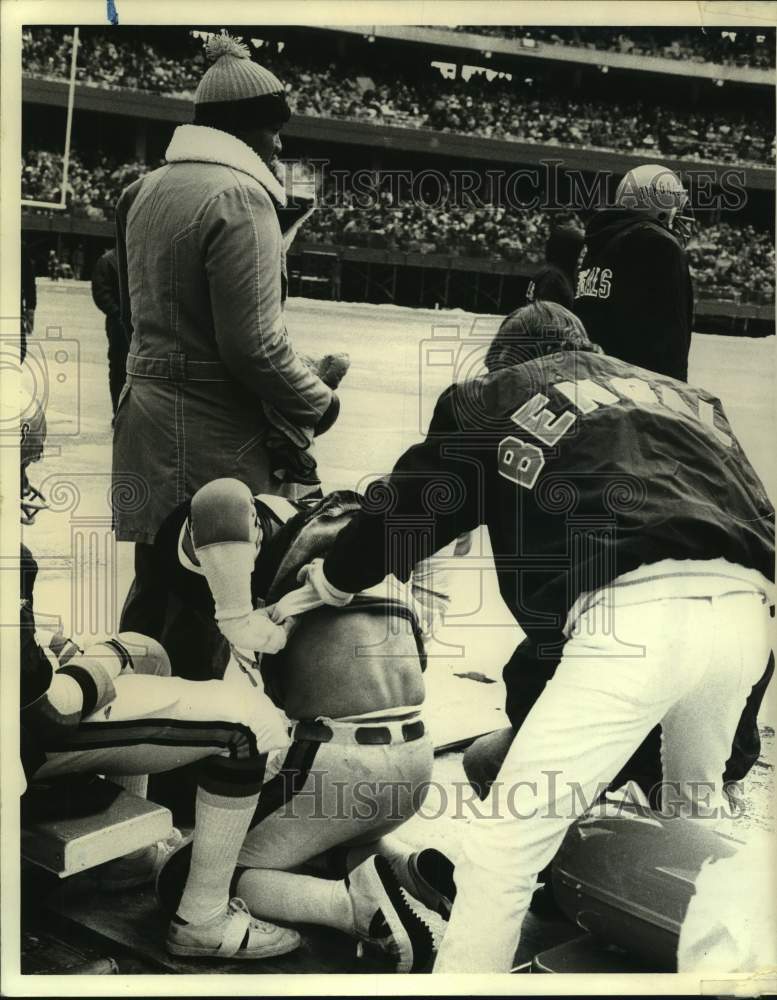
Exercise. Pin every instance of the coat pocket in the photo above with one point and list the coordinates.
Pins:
(250, 444)
(125, 391)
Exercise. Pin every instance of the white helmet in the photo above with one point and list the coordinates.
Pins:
(659, 193)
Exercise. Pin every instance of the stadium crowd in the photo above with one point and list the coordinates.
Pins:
(727, 261)
(500, 108)
(462, 230)
(733, 262)
(133, 63)
(754, 47)
(93, 184)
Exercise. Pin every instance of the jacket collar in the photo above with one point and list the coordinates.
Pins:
(610, 221)
(210, 145)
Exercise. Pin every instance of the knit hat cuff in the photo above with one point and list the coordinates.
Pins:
(267, 110)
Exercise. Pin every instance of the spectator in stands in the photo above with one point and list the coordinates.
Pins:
(105, 295)
(193, 407)
(54, 266)
(78, 261)
(634, 291)
(557, 280)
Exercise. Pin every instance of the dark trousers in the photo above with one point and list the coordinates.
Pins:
(118, 348)
(192, 640)
(145, 606)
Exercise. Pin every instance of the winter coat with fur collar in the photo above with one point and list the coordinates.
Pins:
(200, 259)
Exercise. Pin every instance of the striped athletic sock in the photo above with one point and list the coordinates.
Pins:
(221, 823)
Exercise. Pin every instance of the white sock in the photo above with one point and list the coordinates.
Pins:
(394, 850)
(221, 824)
(274, 895)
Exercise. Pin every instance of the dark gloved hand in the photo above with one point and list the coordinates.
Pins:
(330, 415)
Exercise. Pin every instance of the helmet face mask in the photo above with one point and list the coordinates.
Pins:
(684, 224)
(32, 501)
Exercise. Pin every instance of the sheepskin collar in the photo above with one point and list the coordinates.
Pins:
(211, 145)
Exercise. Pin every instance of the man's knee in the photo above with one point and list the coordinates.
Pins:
(485, 757)
(256, 724)
(144, 655)
(223, 511)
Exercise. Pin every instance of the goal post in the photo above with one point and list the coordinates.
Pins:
(61, 205)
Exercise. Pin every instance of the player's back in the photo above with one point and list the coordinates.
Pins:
(602, 467)
(338, 662)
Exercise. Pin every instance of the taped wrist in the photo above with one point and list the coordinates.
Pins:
(228, 567)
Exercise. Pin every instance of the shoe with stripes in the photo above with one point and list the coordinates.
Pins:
(232, 934)
(383, 917)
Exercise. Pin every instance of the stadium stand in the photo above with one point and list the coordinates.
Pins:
(729, 261)
(738, 47)
(501, 107)
(353, 109)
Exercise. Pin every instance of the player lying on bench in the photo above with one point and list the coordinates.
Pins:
(114, 710)
(351, 683)
(618, 502)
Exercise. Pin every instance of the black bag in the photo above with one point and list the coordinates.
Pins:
(628, 878)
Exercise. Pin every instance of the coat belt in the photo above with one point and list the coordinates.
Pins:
(177, 367)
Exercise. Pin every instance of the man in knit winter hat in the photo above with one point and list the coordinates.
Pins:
(238, 96)
(200, 253)
(244, 99)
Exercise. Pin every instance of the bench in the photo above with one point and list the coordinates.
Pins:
(69, 826)
(585, 954)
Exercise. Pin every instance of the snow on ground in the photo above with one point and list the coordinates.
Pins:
(401, 360)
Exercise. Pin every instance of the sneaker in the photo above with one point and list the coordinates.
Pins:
(232, 934)
(139, 869)
(383, 917)
(432, 876)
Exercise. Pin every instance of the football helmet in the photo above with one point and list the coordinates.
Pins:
(658, 192)
(33, 439)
